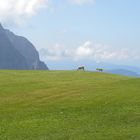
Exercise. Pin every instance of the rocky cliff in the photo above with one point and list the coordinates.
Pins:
(17, 52)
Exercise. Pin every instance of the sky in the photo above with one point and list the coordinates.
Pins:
(77, 31)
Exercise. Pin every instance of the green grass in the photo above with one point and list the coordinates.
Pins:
(68, 105)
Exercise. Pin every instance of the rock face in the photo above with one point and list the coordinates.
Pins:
(17, 52)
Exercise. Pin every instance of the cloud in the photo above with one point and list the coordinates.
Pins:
(82, 2)
(87, 51)
(99, 52)
(56, 52)
(84, 51)
(16, 10)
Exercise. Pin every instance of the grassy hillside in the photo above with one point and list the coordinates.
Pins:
(68, 105)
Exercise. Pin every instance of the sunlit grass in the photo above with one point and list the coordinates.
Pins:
(68, 105)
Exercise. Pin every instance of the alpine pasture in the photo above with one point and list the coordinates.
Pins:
(68, 105)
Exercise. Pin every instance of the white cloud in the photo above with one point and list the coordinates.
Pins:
(82, 2)
(89, 50)
(55, 52)
(16, 10)
(84, 51)
(99, 52)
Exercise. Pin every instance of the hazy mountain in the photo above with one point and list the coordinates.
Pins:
(108, 66)
(123, 72)
(17, 52)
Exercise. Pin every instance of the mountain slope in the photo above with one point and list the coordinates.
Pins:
(17, 52)
(10, 58)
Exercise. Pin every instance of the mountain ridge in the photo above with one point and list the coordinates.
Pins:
(123, 72)
(17, 52)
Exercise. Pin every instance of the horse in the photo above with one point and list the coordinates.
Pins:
(99, 69)
(81, 68)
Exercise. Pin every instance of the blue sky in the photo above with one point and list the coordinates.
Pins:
(78, 30)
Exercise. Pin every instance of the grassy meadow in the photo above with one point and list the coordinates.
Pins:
(68, 105)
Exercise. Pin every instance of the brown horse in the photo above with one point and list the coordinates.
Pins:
(100, 70)
(81, 68)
